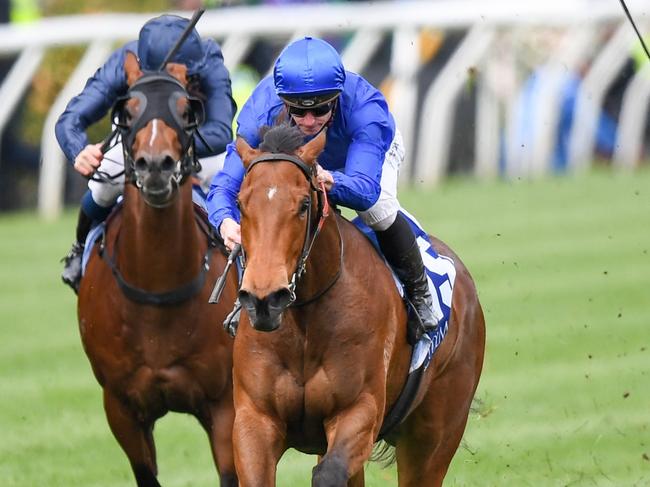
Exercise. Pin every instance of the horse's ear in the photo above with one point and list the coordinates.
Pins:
(132, 68)
(309, 152)
(245, 151)
(178, 71)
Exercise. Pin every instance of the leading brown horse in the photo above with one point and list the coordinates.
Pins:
(151, 337)
(334, 357)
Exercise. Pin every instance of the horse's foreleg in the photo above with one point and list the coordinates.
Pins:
(258, 443)
(135, 438)
(219, 426)
(350, 437)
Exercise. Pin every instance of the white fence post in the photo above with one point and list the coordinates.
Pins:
(437, 113)
(632, 121)
(591, 94)
(404, 63)
(51, 179)
(16, 82)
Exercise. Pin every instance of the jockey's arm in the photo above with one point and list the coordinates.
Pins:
(358, 185)
(89, 106)
(220, 107)
(222, 197)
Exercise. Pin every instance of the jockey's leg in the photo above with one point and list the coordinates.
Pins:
(398, 244)
(96, 205)
(401, 250)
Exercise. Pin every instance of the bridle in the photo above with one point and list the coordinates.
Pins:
(158, 94)
(314, 225)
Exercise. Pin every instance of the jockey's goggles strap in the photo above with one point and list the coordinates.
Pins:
(308, 101)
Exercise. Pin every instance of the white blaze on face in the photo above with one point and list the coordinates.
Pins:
(271, 193)
(154, 132)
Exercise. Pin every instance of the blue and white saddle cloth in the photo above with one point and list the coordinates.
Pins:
(441, 274)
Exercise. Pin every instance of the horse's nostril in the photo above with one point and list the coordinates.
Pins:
(245, 298)
(279, 299)
(141, 164)
(167, 164)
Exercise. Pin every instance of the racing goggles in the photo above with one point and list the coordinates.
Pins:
(318, 105)
(318, 111)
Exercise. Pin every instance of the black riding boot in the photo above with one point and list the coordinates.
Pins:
(401, 250)
(71, 274)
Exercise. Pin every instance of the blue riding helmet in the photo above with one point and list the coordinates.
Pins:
(309, 72)
(159, 35)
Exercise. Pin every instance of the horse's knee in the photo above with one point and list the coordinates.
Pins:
(330, 472)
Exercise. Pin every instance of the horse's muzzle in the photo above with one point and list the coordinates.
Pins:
(155, 179)
(265, 313)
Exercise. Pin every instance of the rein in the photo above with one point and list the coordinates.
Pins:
(312, 231)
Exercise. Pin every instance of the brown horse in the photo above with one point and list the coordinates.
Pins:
(336, 357)
(151, 337)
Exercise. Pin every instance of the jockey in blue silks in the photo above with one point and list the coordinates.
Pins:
(208, 79)
(359, 165)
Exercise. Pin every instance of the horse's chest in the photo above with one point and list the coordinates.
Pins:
(305, 400)
(315, 394)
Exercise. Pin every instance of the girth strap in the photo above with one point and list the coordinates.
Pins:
(402, 406)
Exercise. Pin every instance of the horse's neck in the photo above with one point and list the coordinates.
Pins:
(159, 241)
(323, 264)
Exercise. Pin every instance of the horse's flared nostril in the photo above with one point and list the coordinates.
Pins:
(246, 298)
(167, 164)
(141, 164)
(280, 299)
(264, 313)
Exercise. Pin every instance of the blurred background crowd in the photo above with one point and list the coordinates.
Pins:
(522, 60)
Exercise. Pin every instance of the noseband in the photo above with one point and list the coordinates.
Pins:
(158, 94)
(313, 229)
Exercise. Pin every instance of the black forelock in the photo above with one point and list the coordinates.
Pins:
(281, 139)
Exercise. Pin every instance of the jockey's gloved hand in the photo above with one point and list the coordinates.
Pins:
(324, 176)
(230, 232)
(89, 159)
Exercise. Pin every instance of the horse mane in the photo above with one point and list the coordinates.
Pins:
(281, 139)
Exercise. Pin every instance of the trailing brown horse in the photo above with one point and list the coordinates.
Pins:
(334, 357)
(154, 342)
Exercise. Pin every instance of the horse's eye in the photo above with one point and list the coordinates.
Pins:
(304, 206)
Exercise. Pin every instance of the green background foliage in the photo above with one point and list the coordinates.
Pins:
(562, 268)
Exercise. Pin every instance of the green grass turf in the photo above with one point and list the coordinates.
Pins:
(562, 267)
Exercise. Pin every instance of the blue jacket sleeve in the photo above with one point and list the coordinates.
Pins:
(89, 106)
(220, 107)
(358, 186)
(371, 131)
(222, 197)
(225, 186)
